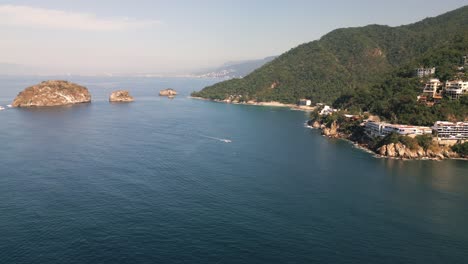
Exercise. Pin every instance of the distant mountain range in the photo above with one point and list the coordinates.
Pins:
(234, 69)
(229, 70)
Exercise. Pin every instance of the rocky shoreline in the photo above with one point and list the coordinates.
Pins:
(391, 150)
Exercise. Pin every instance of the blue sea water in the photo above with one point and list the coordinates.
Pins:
(152, 182)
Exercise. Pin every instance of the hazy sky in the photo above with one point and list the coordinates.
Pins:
(112, 36)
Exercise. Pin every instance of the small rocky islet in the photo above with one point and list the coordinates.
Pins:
(60, 92)
(121, 96)
(168, 92)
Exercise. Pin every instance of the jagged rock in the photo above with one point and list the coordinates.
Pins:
(391, 150)
(52, 93)
(400, 149)
(382, 150)
(120, 96)
(421, 153)
(316, 124)
(167, 92)
(446, 153)
(334, 128)
(331, 131)
(430, 153)
(413, 154)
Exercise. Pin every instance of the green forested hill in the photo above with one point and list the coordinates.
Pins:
(347, 60)
(395, 97)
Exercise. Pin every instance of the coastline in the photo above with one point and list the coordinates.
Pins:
(406, 154)
(269, 104)
(365, 147)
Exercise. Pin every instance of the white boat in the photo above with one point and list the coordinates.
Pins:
(9, 106)
(2, 108)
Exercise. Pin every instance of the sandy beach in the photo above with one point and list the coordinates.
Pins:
(270, 104)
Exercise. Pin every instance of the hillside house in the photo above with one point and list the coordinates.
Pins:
(425, 72)
(455, 89)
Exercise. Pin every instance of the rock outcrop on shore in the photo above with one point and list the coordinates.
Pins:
(391, 150)
(331, 131)
(52, 93)
(121, 96)
(167, 92)
(398, 150)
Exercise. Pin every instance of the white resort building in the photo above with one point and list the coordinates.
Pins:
(451, 130)
(373, 129)
(455, 89)
(380, 129)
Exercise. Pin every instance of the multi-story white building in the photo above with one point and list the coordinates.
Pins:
(406, 130)
(423, 72)
(373, 129)
(451, 130)
(430, 89)
(379, 129)
(455, 89)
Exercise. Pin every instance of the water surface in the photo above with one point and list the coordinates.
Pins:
(149, 182)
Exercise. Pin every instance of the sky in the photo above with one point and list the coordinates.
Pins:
(160, 37)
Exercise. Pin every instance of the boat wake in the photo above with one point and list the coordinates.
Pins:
(218, 139)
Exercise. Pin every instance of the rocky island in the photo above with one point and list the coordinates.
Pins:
(168, 92)
(121, 96)
(52, 93)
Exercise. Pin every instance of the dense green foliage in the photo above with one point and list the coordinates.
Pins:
(461, 149)
(343, 61)
(364, 69)
(425, 141)
(395, 98)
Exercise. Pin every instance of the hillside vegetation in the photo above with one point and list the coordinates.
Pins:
(365, 69)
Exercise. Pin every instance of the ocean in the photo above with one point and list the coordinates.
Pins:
(193, 181)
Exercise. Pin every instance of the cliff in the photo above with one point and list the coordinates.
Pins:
(121, 96)
(52, 93)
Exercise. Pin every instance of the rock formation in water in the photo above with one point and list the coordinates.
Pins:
(167, 92)
(121, 96)
(52, 93)
(396, 150)
(331, 131)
